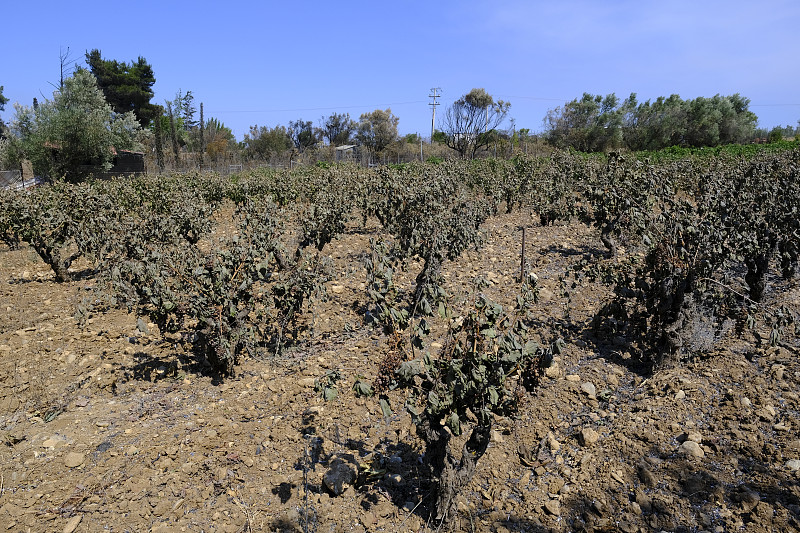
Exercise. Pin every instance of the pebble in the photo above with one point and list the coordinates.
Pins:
(368, 519)
(337, 289)
(588, 436)
(767, 413)
(555, 486)
(646, 476)
(748, 499)
(589, 388)
(552, 442)
(694, 436)
(553, 507)
(74, 459)
(693, 449)
(793, 465)
(307, 382)
(338, 477)
(72, 525)
(52, 442)
(573, 377)
(552, 371)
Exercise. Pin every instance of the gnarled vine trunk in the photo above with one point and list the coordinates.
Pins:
(450, 475)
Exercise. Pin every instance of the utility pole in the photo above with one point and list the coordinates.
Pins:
(434, 94)
(202, 137)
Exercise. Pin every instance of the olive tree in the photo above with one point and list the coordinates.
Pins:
(470, 122)
(72, 135)
(377, 130)
(591, 124)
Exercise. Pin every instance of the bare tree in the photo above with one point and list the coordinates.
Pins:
(469, 123)
(65, 69)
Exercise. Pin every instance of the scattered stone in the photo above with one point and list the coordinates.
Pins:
(573, 377)
(646, 476)
(553, 371)
(555, 486)
(368, 519)
(589, 388)
(553, 507)
(339, 476)
(497, 437)
(72, 525)
(527, 455)
(552, 442)
(83, 401)
(694, 436)
(74, 459)
(545, 295)
(52, 442)
(793, 465)
(680, 395)
(692, 449)
(588, 437)
(306, 382)
(766, 413)
(409, 506)
(748, 499)
(600, 507)
(337, 289)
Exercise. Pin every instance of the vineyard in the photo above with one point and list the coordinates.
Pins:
(561, 343)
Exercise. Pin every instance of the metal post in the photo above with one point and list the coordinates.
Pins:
(522, 260)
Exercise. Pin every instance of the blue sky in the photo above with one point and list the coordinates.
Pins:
(266, 63)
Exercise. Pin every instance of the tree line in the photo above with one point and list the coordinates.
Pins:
(596, 123)
(108, 106)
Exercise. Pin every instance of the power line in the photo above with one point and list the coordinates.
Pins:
(535, 98)
(316, 108)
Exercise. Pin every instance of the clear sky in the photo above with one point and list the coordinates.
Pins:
(266, 63)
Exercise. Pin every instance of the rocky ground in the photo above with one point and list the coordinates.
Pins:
(111, 428)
